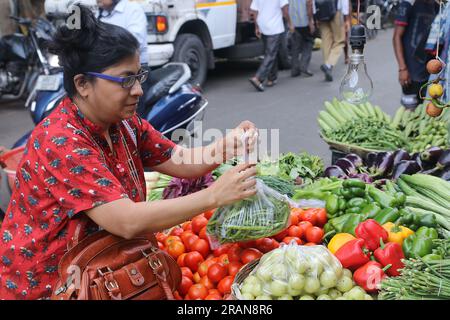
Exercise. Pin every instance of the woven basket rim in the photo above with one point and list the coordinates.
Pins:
(241, 276)
(350, 148)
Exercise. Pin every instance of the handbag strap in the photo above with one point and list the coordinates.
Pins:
(130, 131)
(158, 268)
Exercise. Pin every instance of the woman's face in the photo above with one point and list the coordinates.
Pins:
(110, 102)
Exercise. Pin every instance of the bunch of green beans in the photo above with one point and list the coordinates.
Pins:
(368, 133)
(249, 219)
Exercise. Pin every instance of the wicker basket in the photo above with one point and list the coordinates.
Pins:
(349, 148)
(240, 277)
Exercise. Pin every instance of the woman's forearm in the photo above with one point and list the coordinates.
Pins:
(196, 162)
(144, 217)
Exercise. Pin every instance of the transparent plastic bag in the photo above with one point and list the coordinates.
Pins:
(291, 271)
(263, 215)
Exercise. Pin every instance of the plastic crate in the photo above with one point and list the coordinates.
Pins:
(10, 161)
(336, 154)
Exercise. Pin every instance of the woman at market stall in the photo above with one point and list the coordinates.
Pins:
(84, 164)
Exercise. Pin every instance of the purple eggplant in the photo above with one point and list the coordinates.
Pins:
(383, 164)
(355, 159)
(430, 156)
(445, 175)
(346, 165)
(432, 172)
(370, 160)
(416, 157)
(364, 177)
(334, 171)
(400, 155)
(444, 159)
(405, 167)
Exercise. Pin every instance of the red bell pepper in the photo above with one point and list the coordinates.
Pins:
(390, 253)
(371, 231)
(369, 276)
(353, 254)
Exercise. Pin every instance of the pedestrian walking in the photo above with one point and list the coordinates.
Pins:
(332, 17)
(412, 27)
(302, 17)
(270, 27)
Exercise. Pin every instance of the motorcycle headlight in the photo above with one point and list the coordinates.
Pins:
(53, 61)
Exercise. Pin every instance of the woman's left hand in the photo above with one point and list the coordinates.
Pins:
(232, 145)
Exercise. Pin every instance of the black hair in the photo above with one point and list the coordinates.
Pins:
(92, 48)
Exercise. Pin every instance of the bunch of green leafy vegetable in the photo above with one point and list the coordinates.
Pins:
(302, 167)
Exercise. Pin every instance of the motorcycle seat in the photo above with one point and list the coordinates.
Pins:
(159, 83)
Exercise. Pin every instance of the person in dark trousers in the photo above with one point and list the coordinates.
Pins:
(302, 17)
(269, 25)
(333, 37)
(412, 26)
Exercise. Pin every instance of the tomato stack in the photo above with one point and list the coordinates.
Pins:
(208, 274)
(306, 227)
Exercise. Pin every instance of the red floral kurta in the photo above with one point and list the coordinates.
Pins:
(62, 174)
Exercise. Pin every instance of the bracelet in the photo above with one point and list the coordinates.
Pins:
(404, 69)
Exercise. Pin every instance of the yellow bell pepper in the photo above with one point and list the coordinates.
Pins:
(338, 241)
(397, 233)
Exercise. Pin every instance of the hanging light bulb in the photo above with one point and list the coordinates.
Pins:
(356, 86)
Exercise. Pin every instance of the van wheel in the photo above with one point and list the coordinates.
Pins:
(188, 48)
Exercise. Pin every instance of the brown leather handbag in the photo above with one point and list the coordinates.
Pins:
(106, 267)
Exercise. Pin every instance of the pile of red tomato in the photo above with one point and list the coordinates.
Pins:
(208, 274)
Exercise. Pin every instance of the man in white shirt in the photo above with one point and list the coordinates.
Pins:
(130, 16)
(269, 25)
(333, 36)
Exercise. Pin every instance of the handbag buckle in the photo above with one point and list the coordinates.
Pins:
(104, 270)
(111, 285)
(153, 261)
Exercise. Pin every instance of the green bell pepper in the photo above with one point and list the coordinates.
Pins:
(382, 198)
(406, 217)
(400, 199)
(420, 243)
(342, 204)
(426, 220)
(346, 193)
(357, 192)
(332, 204)
(425, 232)
(415, 246)
(353, 210)
(387, 215)
(339, 222)
(352, 222)
(356, 202)
(369, 211)
(353, 183)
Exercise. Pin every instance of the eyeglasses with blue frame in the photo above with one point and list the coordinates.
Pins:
(126, 82)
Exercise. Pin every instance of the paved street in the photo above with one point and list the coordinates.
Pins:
(291, 106)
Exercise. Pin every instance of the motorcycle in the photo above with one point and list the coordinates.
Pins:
(23, 58)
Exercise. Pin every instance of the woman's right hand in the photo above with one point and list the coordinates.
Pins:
(234, 185)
